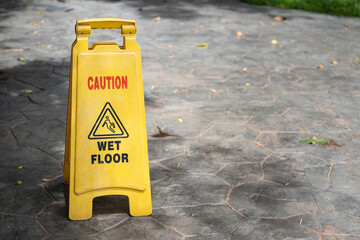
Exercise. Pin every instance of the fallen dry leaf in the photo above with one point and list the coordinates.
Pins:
(213, 90)
(279, 18)
(247, 84)
(202, 45)
(346, 25)
(157, 19)
(20, 167)
(320, 66)
(39, 13)
(261, 145)
(34, 24)
(48, 180)
(162, 134)
(180, 120)
(178, 90)
(239, 34)
(332, 143)
(334, 62)
(172, 56)
(274, 42)
(27, 91)
(244, 70)
(13, 49)
(222, 21)
(19, 182)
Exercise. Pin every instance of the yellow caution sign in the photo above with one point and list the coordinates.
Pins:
(106, 145)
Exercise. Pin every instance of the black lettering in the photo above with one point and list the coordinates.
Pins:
(124, 157)
(101, 146)
(108, 158)
(93, 158)
(116, 158)
(99, 160)
(117, 145)
(111, 145)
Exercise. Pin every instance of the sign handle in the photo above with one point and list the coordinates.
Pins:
(106, 24)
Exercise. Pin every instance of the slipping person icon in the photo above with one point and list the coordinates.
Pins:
(109, 124)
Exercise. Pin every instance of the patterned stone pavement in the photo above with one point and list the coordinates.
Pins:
(233, 168)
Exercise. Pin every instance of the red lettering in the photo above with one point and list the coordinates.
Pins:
(102, 83)
(117, 82)
(107, 82)
(90, 79)
(108, 78)
(96, 83)
(124, 82)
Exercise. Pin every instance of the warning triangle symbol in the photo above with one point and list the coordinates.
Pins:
(108, 125)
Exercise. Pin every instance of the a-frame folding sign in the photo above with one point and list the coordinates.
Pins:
(106, 145)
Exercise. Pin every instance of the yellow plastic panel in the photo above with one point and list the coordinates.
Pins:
(108, 143)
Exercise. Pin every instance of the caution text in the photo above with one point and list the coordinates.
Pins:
(107, 82)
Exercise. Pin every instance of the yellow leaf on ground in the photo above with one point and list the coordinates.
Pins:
(320, 66)
(213, 90)
(346, 25)
(34, 24)
(244, 70)
(202, 45)
(19, 167)
(239, 34)
(19, 182)
(27, 91)
(157, 19)
(334, 62)
(222, 21)
(42, 21)
(39, 13)
(180, 120)
(274, 42)
(257, 143)
(247, 84)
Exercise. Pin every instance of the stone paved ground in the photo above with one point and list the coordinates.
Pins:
(234, 168)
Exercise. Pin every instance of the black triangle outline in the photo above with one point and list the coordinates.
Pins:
(108, 107)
